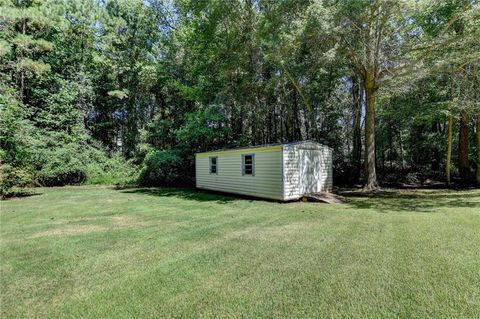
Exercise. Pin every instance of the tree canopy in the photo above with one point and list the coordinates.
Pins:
(122, 91)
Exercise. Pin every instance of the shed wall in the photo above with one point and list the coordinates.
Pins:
(266, 183)
(291, 173)
(307, 169)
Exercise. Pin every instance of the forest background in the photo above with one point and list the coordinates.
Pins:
(122, 92)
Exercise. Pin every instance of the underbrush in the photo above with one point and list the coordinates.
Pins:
(114, 171)
(70, 164)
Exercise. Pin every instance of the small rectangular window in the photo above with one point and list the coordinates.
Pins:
(213, 165)
(248, 164)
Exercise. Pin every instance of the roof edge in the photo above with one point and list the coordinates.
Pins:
(264, 146)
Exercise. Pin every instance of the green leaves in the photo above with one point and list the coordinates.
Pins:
(119, 94)
(204, 129)
(5, 48)
(163, 167)
(26, 44)
(31, 67)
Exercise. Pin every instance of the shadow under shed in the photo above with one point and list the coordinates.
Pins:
(184, 193)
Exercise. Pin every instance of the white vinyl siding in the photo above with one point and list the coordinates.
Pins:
(291, 171)
(307, 169)
(266, 180)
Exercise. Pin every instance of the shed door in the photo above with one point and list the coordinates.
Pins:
(310, 171)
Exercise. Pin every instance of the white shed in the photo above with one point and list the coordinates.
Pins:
(280, 171)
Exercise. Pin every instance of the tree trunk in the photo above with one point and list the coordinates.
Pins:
(402, 157)
(463, 163)
(435, 163)
(449, 148)
(357, 95)
(22, 72)
(478, 147)
(370, 169)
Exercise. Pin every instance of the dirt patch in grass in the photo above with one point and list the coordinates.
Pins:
(272, 233)
(124, 219)
(72, 229)
(127, 221)
(118, 221)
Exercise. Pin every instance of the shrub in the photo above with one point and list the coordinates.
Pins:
(61, 165)
(112, 170)
(77, 164)
(13, 180)
(164, 167)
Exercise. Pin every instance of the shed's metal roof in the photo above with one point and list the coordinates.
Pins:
(264, 145)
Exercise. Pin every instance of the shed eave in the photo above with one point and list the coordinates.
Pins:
(242, 150)
(256, 148)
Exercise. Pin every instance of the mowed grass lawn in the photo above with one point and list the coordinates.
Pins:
(98, 252)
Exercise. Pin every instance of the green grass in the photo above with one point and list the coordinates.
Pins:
(102, 253)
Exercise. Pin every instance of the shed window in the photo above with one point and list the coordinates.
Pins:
(213, 165)
(248, 166)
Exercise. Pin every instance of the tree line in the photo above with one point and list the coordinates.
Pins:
(127, 91)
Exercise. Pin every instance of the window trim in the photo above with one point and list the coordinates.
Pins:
(210, 165)
(253, 164)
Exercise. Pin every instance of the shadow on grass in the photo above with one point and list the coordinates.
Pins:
(184, 193)
(410, 201)
(19, 195)
(386, 201)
